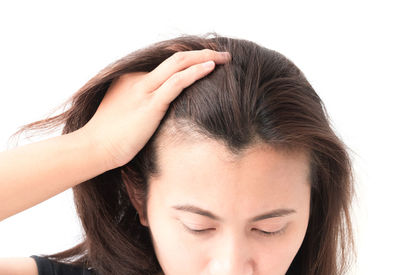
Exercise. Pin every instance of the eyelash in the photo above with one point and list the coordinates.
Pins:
(271, 233)
(268, 234)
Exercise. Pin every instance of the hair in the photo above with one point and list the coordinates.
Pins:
(258, 96)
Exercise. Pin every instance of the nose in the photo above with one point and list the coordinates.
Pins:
(225, 267)
(232, 257)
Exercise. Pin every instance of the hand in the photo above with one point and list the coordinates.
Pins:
(135, 103)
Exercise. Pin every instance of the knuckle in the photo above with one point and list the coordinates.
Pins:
(179, 57)
(176, 79)
(209, 53)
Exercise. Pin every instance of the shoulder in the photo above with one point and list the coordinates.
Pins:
(18, 266)
(46, 266)
(37, 265)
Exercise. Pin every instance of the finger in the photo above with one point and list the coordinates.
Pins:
(178, 62)
(171, 88)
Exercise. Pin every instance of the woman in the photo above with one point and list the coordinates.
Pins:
(239, 174)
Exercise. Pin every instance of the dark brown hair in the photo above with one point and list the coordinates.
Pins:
(259, 96)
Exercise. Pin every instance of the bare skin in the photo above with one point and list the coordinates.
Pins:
(236, 190)
(36, 172)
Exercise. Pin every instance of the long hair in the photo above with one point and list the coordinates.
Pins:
(259, 95)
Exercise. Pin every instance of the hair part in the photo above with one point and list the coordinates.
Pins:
(258, 96)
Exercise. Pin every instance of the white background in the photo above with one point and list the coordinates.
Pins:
(348, 50)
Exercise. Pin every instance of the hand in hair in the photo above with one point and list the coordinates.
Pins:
(135, 103)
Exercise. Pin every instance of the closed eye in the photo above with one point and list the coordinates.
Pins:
(270, 233)
(197, 231)
(203, 231)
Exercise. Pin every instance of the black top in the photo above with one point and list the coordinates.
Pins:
(49, 267)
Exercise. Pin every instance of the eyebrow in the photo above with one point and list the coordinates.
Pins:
(197, 210)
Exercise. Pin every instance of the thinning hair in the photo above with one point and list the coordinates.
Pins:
(258, 96)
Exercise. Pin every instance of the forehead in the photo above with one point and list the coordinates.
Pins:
(205, 172)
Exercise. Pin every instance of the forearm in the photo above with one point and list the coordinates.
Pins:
(35, 172)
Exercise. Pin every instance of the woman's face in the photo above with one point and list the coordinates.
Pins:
(232, 201)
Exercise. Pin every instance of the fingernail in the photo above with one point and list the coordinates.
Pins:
(208, 64)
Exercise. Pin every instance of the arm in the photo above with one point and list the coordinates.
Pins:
(35, 172)
(38, 171)
(18, 266)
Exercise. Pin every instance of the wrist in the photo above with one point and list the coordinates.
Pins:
(94, 150)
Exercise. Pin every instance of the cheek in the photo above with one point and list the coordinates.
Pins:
(294, 241)
(274, 255)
